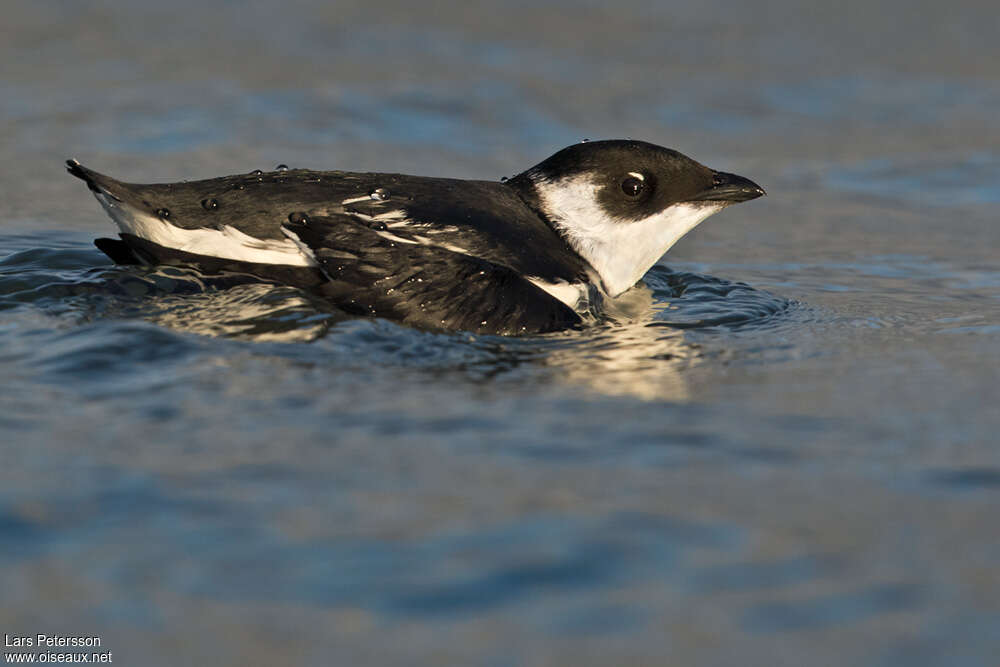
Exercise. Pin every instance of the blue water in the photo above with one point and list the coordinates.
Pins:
(783, 451)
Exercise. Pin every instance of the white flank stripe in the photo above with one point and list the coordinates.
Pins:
(225, 243)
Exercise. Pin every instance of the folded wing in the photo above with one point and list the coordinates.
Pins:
(374, 272)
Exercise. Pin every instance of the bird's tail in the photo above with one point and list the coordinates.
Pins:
(98, 183)
(104, 186)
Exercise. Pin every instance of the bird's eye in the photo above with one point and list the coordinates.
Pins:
(632, 186)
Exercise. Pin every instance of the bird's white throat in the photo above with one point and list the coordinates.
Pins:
(621, 251)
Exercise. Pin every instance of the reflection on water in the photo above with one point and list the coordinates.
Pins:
(643, 351)
(260, 312)
(627, 359)
(639, 349)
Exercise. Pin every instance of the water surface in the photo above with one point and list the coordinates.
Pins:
(784, 452)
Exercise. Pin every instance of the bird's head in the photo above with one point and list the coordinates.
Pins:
(622, 204)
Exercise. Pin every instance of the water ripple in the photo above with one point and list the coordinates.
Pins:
(642, 349)
(693, 301)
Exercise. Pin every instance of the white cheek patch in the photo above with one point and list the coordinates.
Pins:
(226, 243)
(621, 251)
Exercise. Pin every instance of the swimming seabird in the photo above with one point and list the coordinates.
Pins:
(529, 254)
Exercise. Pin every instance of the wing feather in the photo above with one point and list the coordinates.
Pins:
(426, 286)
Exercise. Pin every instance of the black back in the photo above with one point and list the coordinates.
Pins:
(486, 219)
